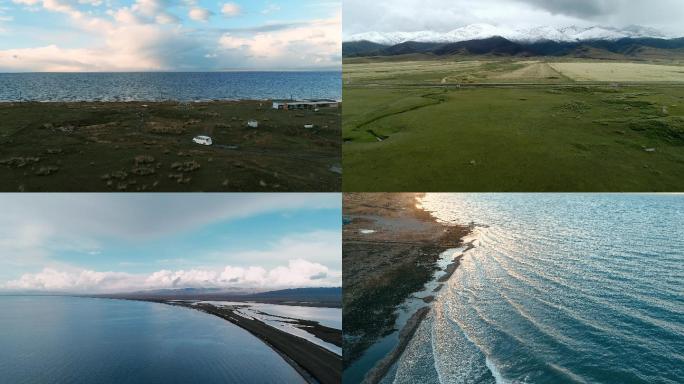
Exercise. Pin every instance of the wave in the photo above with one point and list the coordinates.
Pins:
(498, 377)
(587, 296)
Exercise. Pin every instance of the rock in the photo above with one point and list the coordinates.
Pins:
(187, 166)
(143, 159)
(47, 170)
(143, 170)
(121, 175)
(18, 162)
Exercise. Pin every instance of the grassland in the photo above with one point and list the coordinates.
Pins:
(508, 125)
(620, 72)
(131, 147)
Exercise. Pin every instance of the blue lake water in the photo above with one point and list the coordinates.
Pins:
(560, 289)
(156, 86)
(80, 340)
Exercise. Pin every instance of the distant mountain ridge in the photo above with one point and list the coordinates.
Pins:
(317, 296)
(636, 48)
(530, 35)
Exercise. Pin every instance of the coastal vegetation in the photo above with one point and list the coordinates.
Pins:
(147, 146)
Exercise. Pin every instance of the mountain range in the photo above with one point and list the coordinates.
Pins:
(319, 296)
(527, 35)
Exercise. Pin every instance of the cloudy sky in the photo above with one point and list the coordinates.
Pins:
(168, 35)
(445, 15)
(124, 242)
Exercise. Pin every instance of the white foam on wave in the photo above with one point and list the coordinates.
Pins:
(498, 377)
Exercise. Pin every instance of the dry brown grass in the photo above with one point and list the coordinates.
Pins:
(620, 72)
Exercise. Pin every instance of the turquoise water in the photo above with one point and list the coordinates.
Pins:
(560, 289)
(156, 86)
(80, 340)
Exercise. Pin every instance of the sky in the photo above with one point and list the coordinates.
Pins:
(446, 15)
(102, 243)
(169, 35)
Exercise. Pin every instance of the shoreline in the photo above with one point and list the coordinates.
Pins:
(381, 226)
(314, 363)
(150, 101)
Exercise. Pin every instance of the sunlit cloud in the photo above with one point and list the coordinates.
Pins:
(315, 44)
(163, 35)
(231, 9)
(296, 273)
(200, 14)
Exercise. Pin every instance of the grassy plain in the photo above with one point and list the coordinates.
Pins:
(507, 125)
(130, 147)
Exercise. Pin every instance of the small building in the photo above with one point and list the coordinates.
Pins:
(253, 124)
(305, 104)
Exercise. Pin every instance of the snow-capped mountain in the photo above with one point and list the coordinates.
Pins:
(484, 31)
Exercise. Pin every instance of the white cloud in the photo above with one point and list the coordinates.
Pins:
(271, 8)
(199, 14)
(323, 246)
(297, 273)
(315, 44)
(26, 2)
(132, 41)
(148, 36)
(50, 279)
(94, 3)
(231, 9)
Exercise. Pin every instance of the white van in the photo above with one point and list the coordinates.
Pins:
(204, 140)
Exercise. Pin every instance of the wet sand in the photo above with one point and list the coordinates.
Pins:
(390, 250)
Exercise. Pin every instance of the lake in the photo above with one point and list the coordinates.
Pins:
(178, 86)
(56, 339)
(561, 288)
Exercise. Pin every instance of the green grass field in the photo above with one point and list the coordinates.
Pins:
(558, 135)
